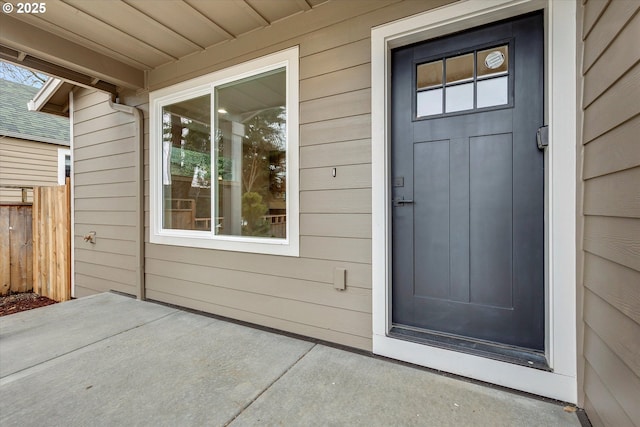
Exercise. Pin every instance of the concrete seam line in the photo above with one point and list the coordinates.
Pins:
(25, 372)
(244, 408)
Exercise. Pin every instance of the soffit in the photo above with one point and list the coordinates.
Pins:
(145, 35)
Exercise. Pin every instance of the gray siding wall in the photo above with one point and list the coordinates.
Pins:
(296, 294)
(611, 211)
(27, 163)
(104, 196)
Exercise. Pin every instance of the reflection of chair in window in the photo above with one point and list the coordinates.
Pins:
(182, 213)
(203, 223)
(278, 225)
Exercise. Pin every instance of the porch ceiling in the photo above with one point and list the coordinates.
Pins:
(117, 41)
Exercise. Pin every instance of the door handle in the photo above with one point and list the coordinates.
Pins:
(401, 202)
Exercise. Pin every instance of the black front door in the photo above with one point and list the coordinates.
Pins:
(468, 187)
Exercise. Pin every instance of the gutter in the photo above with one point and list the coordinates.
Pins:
(139, 150)
(35, 138)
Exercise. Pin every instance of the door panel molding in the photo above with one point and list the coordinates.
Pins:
(560, 190)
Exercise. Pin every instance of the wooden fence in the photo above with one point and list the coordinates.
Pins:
(52, 242)
(16, 260)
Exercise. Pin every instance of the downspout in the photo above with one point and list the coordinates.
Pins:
(139, 165)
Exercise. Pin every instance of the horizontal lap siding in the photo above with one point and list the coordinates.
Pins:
(611, 209)
(288, 293)
(27, 163)
(104, 196)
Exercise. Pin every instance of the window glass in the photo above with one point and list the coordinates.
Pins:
(67, 166)
(478, 79)
(251, 156)
(459, 98)
(493, 92)
(429, 75)
(186, 164)
(224, 158)
(429, 102)
(460, 68)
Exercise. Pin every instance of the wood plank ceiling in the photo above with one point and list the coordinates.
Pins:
(146, 34)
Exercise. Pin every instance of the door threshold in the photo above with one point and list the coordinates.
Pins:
(501, 352)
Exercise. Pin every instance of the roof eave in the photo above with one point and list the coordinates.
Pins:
(34, 47)
(35, 138)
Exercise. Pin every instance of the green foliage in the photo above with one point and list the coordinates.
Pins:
(263, 148)
(183, 162)
(253, 211)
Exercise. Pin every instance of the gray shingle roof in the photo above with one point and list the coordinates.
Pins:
(17, 121)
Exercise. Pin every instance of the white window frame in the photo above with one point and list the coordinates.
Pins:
(62, 153)
(206, 84)
(560, 194)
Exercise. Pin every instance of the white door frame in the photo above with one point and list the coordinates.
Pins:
(560, 194)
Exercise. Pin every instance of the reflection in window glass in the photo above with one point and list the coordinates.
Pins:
(493, 61)
(186, 164)
(493, 92)
(429, 102)
(251, 156)
(429, 75)
(460, 68)
(459, 98)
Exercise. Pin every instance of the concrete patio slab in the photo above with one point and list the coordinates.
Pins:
(35, 336)
(182, 369)
(126, 362)
(335, 387)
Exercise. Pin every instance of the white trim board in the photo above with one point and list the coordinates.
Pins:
(73, 194)
(62, 153)
(560, 194)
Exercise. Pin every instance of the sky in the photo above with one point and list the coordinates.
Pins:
(15, 73)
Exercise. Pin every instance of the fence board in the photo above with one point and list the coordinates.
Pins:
(52, 242)
(28, 232)
(5, 260)
(35, 249)
(15, 248)
(17, 279)
(20, 220)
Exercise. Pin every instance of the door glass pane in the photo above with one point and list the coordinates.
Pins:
(429, 102)
(493, 92)
(186, 164)
(493, 61)
(460, 68)
(429, 75)
(251, 156)
(459, 97)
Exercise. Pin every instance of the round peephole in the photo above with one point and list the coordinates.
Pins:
(494, 60)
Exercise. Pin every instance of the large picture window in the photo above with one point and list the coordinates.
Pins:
(224, 150)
